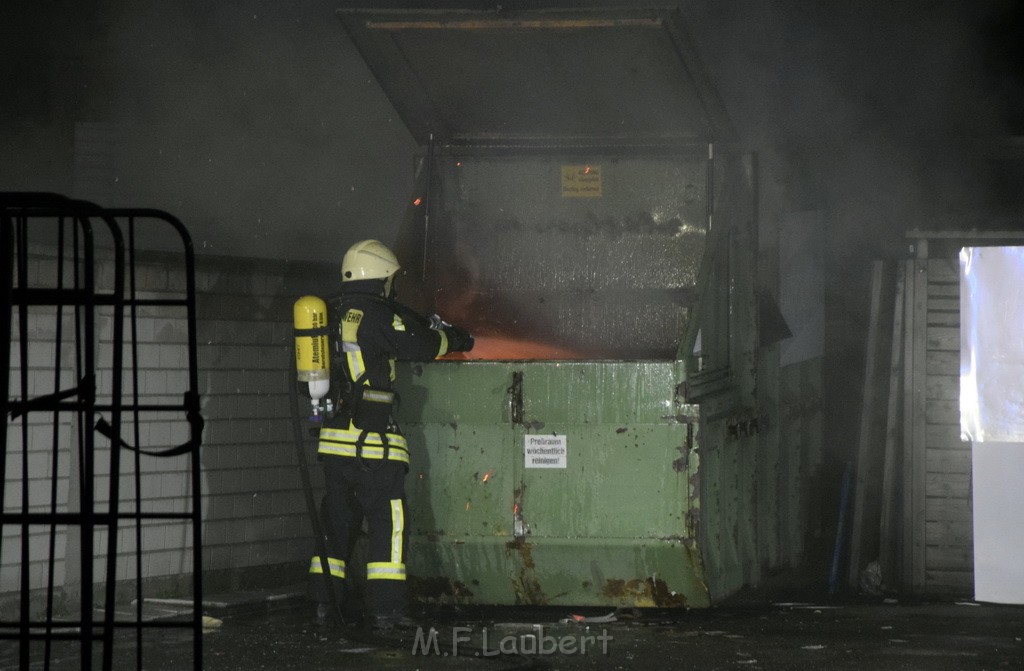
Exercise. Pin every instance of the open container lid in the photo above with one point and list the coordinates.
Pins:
(579, 75)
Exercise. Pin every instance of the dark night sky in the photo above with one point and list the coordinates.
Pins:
(257, 123)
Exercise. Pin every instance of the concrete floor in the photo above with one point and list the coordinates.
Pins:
(279, 632)
(927, 636)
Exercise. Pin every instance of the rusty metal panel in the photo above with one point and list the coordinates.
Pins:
(488, 528)
(688, 437)
(613, 276)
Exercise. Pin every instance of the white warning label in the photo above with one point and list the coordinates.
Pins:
(544, 451)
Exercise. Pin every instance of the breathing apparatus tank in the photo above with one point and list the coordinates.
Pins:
(312, 355)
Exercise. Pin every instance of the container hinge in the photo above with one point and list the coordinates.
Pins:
(516, 397)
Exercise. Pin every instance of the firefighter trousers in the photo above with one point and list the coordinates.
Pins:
(374, 491)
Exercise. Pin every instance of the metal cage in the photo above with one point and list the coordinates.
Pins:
(76, 432)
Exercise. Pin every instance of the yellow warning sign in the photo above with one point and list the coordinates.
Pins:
(581, 181)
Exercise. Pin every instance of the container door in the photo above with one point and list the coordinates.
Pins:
(552, 483)
(459, 488)
(603, 511)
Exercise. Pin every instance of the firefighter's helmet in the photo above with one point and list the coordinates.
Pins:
(368, 260)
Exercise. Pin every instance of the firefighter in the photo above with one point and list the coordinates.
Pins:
(364, 453)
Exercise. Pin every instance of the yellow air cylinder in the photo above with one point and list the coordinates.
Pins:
(312, 355)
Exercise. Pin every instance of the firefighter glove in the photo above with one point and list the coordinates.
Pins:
(459, 339)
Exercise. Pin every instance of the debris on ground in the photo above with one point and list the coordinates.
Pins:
(583, 619)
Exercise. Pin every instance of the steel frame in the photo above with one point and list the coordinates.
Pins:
(22, 219)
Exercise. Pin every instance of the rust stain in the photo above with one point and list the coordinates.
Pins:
(683, 462)
(664, 597)
(647, 592)
(518, 492)
(439, 590)
(525, 585)
(693, 522)
(524, 549)
(528, 591)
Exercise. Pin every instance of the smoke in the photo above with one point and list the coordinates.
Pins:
(879, 113)
(258, 124)
(879, 118)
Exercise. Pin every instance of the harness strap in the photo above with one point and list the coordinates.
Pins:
(359, 450)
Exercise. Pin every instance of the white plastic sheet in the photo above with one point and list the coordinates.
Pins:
(992, 344)
(997, 476)
(992, 414)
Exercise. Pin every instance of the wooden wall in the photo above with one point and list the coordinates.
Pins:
(938, 536)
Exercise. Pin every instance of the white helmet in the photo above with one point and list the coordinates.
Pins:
(368, 260)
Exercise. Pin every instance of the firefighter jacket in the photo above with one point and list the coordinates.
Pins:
(368, 334)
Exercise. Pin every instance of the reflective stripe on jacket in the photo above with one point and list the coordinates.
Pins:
(342, 443)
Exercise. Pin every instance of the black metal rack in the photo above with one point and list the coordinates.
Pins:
(86, 242)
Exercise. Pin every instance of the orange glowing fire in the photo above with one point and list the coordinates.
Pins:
(498, 348)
